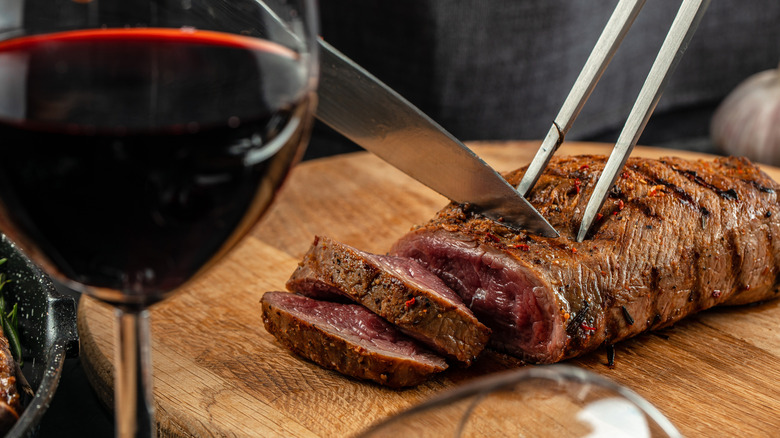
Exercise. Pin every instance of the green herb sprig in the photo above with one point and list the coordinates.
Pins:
(10, 320)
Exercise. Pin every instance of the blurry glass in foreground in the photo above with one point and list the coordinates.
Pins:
(141, 141)
(556, 400)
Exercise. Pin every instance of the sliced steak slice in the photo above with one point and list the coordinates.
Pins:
(673, 238)
(348, 338)
(399, 290)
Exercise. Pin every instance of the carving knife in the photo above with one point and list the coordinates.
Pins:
(359, 106)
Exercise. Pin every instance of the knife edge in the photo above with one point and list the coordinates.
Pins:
(362, 108)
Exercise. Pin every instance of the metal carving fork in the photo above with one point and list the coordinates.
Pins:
(669, 55)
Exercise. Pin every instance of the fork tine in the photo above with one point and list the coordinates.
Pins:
(619, 22)
(683, 27)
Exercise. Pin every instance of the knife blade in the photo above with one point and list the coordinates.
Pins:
(362, 108)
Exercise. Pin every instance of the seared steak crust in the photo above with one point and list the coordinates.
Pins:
(673, 238)
(349, 339)
(399, 290)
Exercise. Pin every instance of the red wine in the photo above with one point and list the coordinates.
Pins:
(132, 157)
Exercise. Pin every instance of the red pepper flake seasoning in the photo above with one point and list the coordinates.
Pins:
(587, 327)
(573, 250)
(656, 191)
(624, 175)
(492, 237)
(522, 247)
(620, 204)
(599, 216)
(584, 166)
(409, 303)
(577, 185)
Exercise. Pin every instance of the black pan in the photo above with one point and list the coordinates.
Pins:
(47, 328)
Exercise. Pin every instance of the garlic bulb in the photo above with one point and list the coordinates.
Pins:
(747, 122)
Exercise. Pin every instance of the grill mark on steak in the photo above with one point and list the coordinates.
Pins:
(708, 236)
(349, 339)
(654, 278)
(697, 289)
(682, 194)
(760, 187)
(692, 175)
(673, 188)
(736, 257)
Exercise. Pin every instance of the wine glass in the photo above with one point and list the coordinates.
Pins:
(552, 400)
(140, 140)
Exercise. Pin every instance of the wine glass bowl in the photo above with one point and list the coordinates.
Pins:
(156, 146)
(142, 139)
(552, 400)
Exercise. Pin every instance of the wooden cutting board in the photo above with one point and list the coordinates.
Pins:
(218, 373)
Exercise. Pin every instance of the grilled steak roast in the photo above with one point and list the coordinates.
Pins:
(347, 338)
(673, 238)
(398, 289)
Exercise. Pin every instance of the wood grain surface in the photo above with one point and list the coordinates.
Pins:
(219, 373)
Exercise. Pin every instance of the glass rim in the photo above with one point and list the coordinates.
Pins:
(482, 386)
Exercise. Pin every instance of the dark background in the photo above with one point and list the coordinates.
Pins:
(499, 70)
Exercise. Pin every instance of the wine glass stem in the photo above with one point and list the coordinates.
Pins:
(133, 401)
